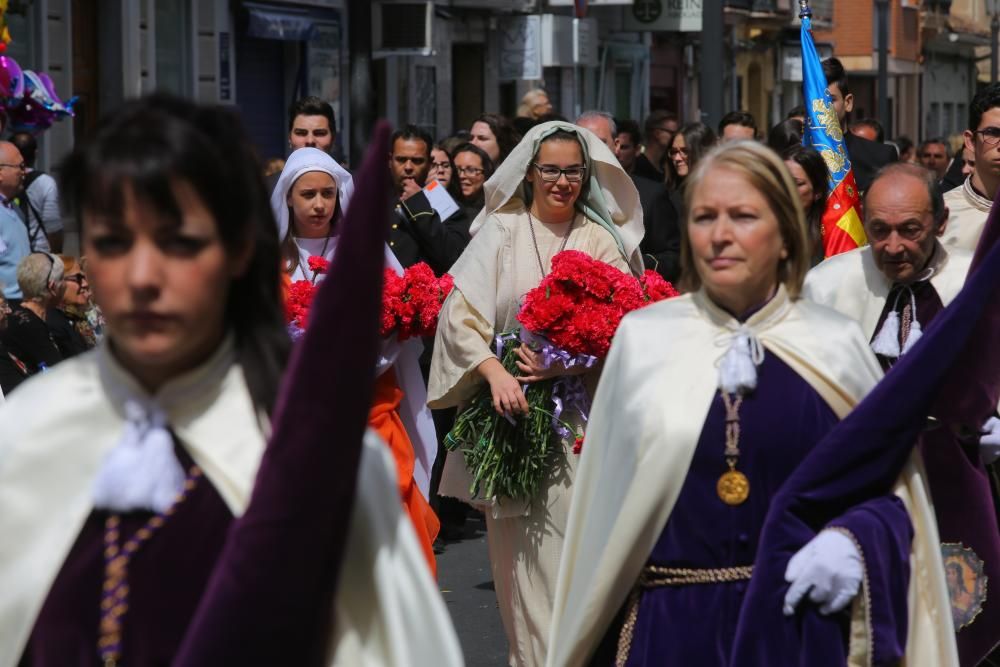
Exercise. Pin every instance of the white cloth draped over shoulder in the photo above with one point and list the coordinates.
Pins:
(59, 426)
(853, 285)
(404, 356)
(658, 383)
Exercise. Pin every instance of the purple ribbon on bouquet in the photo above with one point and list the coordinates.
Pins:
(568, 391)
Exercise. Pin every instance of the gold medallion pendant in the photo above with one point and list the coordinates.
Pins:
(733, 487)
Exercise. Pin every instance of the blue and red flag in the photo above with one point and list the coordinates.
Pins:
(580, 6)
(842, 227)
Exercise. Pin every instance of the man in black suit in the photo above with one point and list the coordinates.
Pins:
(867, 157)
(417, 233)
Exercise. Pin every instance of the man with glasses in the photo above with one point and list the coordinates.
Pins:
(14, 241)
(970, 204)
(660, 128)
(417, 233)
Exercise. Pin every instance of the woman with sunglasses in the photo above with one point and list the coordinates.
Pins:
(70, 319)
(28, 336)
(561, 188)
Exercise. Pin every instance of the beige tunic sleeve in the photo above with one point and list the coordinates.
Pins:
(462, 343)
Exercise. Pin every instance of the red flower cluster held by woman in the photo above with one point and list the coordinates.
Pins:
(308, 202)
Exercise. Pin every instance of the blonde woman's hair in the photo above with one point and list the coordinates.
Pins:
(530, 99)
(766, 173)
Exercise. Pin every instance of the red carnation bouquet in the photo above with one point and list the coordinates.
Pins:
(410, 302)
(569, 320)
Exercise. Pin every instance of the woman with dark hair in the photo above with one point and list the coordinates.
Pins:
(785, 134)
(687, 147)
(495, 135)
(443, 169)
(561, 188)
(473, 167)
(810, 174)
(119, 531)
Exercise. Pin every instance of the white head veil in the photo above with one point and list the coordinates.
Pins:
(611, 200)
(302, 161)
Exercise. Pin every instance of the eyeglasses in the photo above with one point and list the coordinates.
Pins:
(470, 171)
(664, 129)
(674, 152)
(21, 166)
(991, 135)
(78, 278)
(440, 165)
(551, 174)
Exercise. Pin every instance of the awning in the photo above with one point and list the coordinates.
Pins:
(269, 22)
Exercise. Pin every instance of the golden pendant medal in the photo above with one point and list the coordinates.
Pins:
(733, 487)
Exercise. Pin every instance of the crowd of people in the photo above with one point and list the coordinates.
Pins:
(741, 489)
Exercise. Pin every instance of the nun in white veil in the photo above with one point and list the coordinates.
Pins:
(313, 186)
(560, 188)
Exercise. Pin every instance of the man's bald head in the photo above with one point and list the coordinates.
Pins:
(11, 169)
(904, 215)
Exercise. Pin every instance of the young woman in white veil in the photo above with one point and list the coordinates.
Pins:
(561, 188)
(309, 199)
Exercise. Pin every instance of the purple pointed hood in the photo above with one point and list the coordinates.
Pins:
(271, 592)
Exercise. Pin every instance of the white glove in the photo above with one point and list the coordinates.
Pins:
(829, 568)
(989, 443)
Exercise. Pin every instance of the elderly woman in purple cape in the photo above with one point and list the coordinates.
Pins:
(707, 404)
(560, 188)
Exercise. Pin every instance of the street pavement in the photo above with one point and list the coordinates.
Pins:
(467, 587)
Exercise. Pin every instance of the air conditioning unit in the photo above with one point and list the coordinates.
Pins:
(402, 28)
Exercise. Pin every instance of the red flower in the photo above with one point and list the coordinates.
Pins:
(578, 444)
(655, 288)
(580, 304)
(318, 264)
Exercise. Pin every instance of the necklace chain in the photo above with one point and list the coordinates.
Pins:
(534, 242)
(732, 428)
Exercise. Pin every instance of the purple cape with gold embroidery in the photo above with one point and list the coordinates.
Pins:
(953, 373)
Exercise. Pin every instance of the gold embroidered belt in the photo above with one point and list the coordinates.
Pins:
(654, 576)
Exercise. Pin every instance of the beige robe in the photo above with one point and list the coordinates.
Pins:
(525, 540)
(852, 284)
(658, 384)
(56, 430)
(967, 213)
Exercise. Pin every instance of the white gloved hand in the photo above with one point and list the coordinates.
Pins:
(829, 569)
(989, 443)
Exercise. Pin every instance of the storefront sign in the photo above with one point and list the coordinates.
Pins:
(664, 15)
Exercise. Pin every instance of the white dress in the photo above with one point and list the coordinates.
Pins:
(525, 540)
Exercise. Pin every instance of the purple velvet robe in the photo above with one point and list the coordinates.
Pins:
(961, 488)
(953, 372)
(167, 578)
(780, 422)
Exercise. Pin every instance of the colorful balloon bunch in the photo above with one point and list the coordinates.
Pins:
(29, 98)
